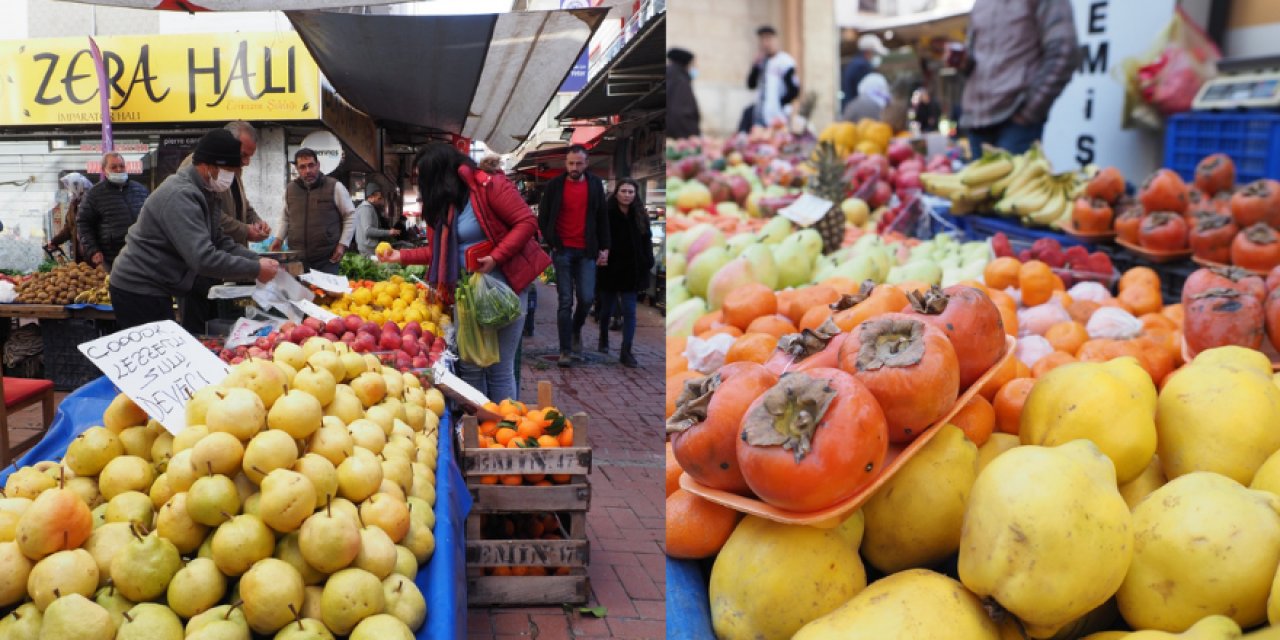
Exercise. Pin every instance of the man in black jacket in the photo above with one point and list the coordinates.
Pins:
(575, 224)
(108, 210)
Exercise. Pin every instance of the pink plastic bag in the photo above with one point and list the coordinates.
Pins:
(1186, 59)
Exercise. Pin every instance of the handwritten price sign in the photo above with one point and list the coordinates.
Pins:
(159, 366)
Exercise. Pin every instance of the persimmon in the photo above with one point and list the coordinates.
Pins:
(1163, 231)
(1008, 404)
(917, 286)
(910, 367)
(1128, 223)
(1036, 282)
(1067, 337)
(814, 317)
(1271, 317)
(1210, 238)
(1092, 215)
(1050, 362)
(1202, 280)
(751, 347)
(776, 325)
(1002, 273)
(1106, 185)
(696, 527)
(1008, 310)
(1222, 317)
(1256, 248)
(1257, 202)
(807, 298)
(977, 419)
(704, 429)
(1273, 278)
(673, 471)
(748, 302)
(970, 321)
(675, 385)
(812, 440)
(871, 301)
(1164, 190)
(843, 286)
(1215, 173)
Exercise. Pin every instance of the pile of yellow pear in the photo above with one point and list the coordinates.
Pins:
(298, 504)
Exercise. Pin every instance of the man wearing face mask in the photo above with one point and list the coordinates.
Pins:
(317, 219)
(107, 211)
(371, 227)
(870, 50)
(178, 237)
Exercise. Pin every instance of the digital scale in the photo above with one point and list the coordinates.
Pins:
(1252, 83)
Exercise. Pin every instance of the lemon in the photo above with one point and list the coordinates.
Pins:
(382, 249)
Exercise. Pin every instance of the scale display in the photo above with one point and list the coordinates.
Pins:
(1259, 89)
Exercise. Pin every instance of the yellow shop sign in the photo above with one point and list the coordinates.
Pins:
(159, 78)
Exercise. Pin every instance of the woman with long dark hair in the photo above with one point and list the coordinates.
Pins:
(630, 259)
(465, 207)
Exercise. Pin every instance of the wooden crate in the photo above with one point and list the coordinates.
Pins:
(570, 501)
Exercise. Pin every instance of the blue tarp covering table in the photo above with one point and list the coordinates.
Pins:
(688, 610)
(443, 581)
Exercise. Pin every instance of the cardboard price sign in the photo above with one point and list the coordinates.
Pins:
(159, 366)
(314, 310)
(327, 281)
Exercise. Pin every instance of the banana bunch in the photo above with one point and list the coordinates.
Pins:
(1012, 185)
(99, 295)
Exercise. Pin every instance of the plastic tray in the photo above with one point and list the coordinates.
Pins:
(1215, 265)
(1158, 257)
(1251, 138)
(1090, 236)
(835, 514)
(983, 226)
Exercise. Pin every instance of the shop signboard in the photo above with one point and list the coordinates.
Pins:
(160, 79)
(1086, 123)
(577, 78)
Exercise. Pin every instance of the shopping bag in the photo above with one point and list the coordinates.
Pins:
(496, 304)
(1166, 80)
(477, 345)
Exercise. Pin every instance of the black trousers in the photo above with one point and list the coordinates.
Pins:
(134, 309)
(196, 307)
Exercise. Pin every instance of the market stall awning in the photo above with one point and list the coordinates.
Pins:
(633, 81)
(946, 15)
(483, 77)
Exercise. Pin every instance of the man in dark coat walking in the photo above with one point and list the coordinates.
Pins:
(683, 118)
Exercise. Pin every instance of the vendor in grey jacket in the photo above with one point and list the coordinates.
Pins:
(179, 236)
(369, 222)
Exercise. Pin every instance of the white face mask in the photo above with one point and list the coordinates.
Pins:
(117, 178)
(223, 182)
(693, 74)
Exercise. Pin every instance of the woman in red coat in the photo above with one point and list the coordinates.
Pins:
(466, 207)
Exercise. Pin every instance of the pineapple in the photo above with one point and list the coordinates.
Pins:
(829, 184)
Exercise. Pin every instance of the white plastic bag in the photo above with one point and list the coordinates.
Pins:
(1091, 291)
(1032, 348)
(1037, 320)
(1110, 322)
(8, 292)
(708, 354)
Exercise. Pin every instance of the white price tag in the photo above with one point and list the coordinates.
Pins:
(327, 281)
(314, 310)
(245, 331)
(158, 365)
(806, 210)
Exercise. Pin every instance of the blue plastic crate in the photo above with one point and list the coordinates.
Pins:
(1251, 138)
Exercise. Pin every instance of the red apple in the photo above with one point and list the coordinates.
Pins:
(907, 180)
(353, 322)
(314, 323)
(421, 362)
(370, 328)
(262, 343)
(300, 334)
(880, 195)
(335, 326)
(237, 360)
(348, 338)
(900, 151)
(287, 327)
(389, 341)
(413, 327)
(410, 347)
(331, 337)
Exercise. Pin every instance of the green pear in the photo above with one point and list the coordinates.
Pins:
(350, 595)
(99, 514)
(131, 506)
(188, 438)
(22, 623)
(150, 621)
(322, 474)
(399, 471)
(421, 510)
(198, 404)
(404, 600)
(381, 627)
(137, 441)
(399, 447)
(114, 602)
(345, 407)
(206, 548)
(240, 542)
(182, 471)
(125, 473)
(104, 543)
(268, 451)
(311, 602)
(406, 563)
(251, 504)
(359, 475)
(162, 450)
(75, 617)
(218, 452)
(196, 588)
(387, 512)
(345, 508)
(87, 489)
(304, 629)
(239, 412)
(419, 540)
(174, 524)
(90, 451)
(57, 520)
(62, 574)
(332, 441)
(416, 415)
(381, 415)
(297, 413)
(367, 434)
(15, 568)
(317, 381)
(329, 540)
(289, 549)
(160, 491)
(222, 622)
(142, 570)
(272, 592)
(212, 500)
(28, 483)
(260, 376)
(377, 552)
(288, 498)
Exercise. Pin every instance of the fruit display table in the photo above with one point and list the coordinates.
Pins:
(442, 580)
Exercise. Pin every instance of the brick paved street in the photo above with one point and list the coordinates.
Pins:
(625, 523)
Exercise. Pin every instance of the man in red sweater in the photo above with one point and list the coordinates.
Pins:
(575, 224)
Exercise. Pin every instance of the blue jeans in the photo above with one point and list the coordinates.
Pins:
(498, 381)
(575, 274)
(608, 307)
(1008, 135)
